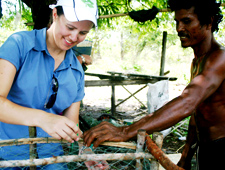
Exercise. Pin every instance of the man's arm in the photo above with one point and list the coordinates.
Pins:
(190, 146)
(200, 88)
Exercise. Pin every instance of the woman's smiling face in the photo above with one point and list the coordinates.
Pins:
(68, 34)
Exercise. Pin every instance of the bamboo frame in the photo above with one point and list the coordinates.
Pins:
(140, 154)
(72, 158)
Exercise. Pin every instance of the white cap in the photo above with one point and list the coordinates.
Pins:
(79, 10)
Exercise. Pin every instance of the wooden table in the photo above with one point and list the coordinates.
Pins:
(120, 79)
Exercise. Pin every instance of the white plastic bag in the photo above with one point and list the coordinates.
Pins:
(157, 96)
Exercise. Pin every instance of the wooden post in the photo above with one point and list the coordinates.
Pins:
(122, 46)
(33, 147)
(140, 147)
(158, 139)
(113, 107)
(163, 57)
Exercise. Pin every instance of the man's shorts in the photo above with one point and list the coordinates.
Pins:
(211, 155)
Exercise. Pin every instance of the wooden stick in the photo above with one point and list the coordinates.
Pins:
(113, 15)
(76, 158)
(135, 96)
(160, 156)
(27, 141)
(131, 95)
(163, 55)
(126, 14)
(127, 145)
(32, 147)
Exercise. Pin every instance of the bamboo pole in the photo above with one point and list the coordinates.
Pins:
(163, 55)
(32, 147)
(113, 15)
(27, 141)
(75, 158)
(126, 14)
(127, 145)
(140, 147)
(157, 137)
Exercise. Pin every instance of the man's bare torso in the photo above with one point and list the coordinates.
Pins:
(210, 114)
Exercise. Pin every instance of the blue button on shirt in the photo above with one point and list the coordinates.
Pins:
(27, 51)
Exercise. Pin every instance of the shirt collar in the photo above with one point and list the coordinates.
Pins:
(70, 61)
(40, 40)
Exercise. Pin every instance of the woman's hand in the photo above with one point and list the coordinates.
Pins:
(60, 127)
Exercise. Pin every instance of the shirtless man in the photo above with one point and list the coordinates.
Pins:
(203, 99)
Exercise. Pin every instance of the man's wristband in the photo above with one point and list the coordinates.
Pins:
(83, 59)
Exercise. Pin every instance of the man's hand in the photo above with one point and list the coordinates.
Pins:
(88, 59)
(105, 131)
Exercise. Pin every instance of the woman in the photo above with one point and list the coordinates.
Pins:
(41, 77)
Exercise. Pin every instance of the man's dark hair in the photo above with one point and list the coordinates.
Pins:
(205, 10)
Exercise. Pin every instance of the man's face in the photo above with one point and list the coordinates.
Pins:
(189, 29)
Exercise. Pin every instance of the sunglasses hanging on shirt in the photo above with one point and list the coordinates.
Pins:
(50, 101)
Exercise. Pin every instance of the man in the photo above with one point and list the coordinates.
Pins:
(83, 53)
(203, 99)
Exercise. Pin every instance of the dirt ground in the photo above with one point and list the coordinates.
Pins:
(97, 102)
